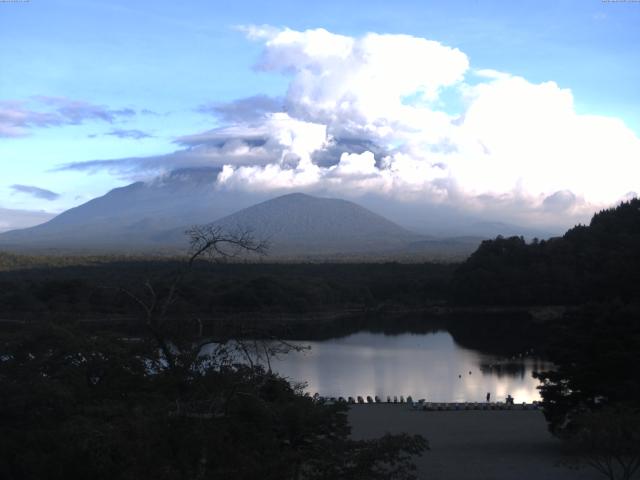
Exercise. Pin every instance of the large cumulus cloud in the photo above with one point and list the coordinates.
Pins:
(410, 119)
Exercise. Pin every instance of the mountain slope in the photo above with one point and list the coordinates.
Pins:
(131, 217)
(297, 224)
(147, 217)
(153, 216)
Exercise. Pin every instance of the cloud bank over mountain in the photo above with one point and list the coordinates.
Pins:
(411, 120)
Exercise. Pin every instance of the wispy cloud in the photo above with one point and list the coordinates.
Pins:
(77, 111)
(17, 118)
(247, 109)
(133, 134)
(36, 192)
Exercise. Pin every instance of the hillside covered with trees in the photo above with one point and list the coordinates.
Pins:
(591, 398)
(591, 262)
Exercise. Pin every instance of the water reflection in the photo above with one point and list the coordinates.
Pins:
(428, 365)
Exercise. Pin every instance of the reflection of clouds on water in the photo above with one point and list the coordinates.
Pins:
(511, 369)
(520, 367)
(428, 366)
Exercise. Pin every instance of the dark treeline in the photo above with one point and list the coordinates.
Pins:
(597, 262)
(210, 288)
(504, 333)
(589, 263)
(295, 301)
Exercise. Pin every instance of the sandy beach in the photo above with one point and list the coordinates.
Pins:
(478, 445)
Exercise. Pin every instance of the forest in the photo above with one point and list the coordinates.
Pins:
(102, 375)
(595, 262)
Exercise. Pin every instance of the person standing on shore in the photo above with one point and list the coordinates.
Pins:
(488, 397)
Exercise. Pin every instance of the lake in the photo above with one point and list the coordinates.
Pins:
(424, 365)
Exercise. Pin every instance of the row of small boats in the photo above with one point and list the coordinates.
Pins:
(428, 406)
(369, 399)
(422, 404)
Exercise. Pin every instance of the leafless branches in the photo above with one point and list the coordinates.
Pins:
(213, 242)
(208, 241)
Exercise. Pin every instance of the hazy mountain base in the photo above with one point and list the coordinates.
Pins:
(293, 224)
(152, 217)
(449, 250)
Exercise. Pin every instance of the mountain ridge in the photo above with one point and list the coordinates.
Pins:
(138, 217)
(151, 217)
(301, 223)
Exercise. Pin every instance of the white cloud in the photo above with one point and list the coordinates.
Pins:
(531, 138)
(516, 142)
(408, 118)
(358, 85)
(295, 140)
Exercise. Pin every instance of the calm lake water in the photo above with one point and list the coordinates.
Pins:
(425, 365)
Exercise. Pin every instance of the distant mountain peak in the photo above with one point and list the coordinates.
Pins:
(153, 216)
(294, 196)
(298, 222)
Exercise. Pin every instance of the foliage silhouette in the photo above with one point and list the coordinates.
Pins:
(589, 263)
(93, 404)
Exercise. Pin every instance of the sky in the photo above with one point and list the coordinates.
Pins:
(526, 111)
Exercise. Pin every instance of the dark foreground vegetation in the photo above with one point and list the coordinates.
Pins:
(598, 262)
(170, 402)
(592, 398)
(79, 286)
(104, 407)
(101, 377)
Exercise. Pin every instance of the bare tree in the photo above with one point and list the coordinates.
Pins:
(208, 242)
(213, 242)
(189, 353)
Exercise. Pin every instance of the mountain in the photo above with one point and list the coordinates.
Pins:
(444, 220)
(151, 217)
(132, 217)
(299, 224)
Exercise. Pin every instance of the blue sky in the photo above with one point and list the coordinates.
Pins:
(161, 60)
